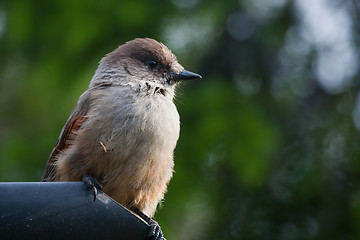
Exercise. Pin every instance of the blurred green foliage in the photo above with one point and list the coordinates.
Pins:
(269, 145)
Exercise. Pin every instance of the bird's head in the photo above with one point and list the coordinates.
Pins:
(142, 59)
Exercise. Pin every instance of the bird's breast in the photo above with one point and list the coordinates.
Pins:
(146, 124)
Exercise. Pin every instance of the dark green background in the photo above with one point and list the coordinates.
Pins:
(269, 146)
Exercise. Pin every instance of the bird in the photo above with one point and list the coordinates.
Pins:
(121, 135)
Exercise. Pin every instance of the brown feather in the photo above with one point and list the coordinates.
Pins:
(65, 140)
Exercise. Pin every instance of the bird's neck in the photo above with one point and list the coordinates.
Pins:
(114, 77)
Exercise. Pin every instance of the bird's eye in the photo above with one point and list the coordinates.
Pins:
(151, 64)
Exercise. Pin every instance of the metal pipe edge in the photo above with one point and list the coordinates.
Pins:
(64, 210)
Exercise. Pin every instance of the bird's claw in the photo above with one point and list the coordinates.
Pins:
(93, 183)
(155, 232)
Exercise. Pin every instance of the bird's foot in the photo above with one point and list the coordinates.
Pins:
(93, 183)
(155, 232)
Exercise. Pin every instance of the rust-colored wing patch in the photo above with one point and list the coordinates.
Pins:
(67, 136)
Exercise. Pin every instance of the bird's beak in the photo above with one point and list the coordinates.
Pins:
(184, 75)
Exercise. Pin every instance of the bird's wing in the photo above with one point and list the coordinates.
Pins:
(66, 138)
